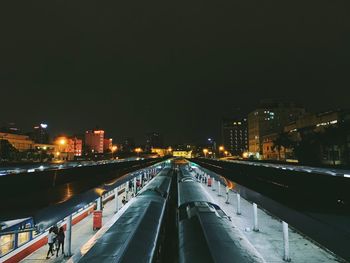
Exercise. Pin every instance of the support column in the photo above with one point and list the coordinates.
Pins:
(116, 196)
(99, 204)
(286, 256)
(239, 212)
(255, 209)
(219, 188)
(135, 186)
(128, 190)
(69, 237)
(227, 195)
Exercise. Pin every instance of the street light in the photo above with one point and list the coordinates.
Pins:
(63, 141)
(138, 150)
(205, 151)
(114, 149)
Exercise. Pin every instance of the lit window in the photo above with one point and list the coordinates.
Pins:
(23, 238)
(7, 244)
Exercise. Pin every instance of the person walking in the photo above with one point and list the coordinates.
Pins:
(60, 239)
(50, 240)
(124, 201)
(55, 241)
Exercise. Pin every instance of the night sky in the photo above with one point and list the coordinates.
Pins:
(175, 67)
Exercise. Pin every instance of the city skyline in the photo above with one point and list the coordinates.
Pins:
(173, 67)
(213, 128)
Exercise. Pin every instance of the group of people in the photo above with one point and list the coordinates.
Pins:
(55, 241)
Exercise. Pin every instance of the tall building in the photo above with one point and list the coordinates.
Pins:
(94, 141)
(268, 118)
(107, 144)
(40, 134)
(235, 135)
(153, 140)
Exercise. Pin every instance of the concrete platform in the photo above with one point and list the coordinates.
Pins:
(81, 234)
(268, 241)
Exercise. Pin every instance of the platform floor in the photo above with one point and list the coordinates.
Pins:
(81, 234)
(268, 242)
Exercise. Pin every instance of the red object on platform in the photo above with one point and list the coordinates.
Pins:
(209, 182)
(97, 220)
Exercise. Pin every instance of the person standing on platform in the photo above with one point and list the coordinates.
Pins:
(60, 239)
(51, 241)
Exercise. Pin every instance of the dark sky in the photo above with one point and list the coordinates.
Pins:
(133, 66)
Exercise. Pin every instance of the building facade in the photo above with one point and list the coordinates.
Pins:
(94, 141)
(20, 142)
(107, 144)
(40, 134)
(235, 135)
(269, 118)
(68, 147)
(331, 132)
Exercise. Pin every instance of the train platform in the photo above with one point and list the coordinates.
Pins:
(81, 234)
(268, 241)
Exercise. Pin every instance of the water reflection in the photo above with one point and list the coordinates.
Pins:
(68, 192)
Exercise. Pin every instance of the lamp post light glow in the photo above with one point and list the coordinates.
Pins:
(205, 151)
(114, 149)
(138, 150)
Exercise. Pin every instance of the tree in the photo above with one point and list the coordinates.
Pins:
(7, 151)
(283, 140)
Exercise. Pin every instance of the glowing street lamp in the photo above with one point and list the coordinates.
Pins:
(63, 141)
(205, 151)
(221, 148)
(114, 149)
(138, 150)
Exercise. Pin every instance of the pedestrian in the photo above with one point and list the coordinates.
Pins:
(124, 201)
(60, 239)
(55, 241)
(50, 241)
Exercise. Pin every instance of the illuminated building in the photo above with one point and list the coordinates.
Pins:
(40, 134)
(268, 118)
(94, 141)
(20, 142)
(235, 135)
(183, 154)
(107, 144)
(161, 152)
(68, 147)
(332, 130)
